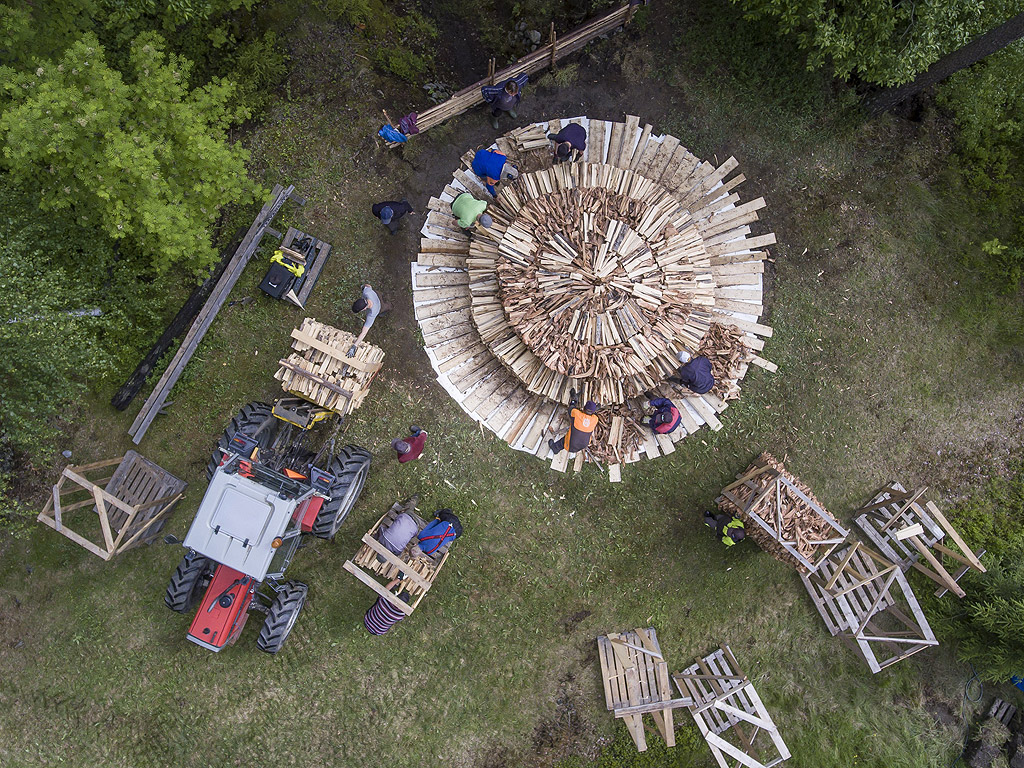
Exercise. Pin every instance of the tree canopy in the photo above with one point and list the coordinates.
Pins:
(139, 154)
(886, 42)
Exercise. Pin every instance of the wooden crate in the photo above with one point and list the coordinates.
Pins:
(729, 713)
(906, 528)
(320, 371)
(636, 683)
(865, 600)
(420, 572)
(131, 505)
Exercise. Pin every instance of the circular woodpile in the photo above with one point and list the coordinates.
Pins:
(593, 276)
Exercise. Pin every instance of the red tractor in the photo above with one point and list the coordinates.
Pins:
(267, 492)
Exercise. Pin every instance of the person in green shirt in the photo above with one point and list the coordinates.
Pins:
(469, 211)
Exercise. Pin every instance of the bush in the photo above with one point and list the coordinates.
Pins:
(987, 625)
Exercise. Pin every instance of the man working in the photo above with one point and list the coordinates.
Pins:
(390, 211)
(382, 615)
(694, 374)
(470, 212)
(727, 527)
(493, 167)
(580, 430)
(411, 447)
(369, 303)
(665, 417)
(504, 97)
(570, 142)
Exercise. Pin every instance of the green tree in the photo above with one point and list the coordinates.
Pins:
(141, 156)
(886, 42)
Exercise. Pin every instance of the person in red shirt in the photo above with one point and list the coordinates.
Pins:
(411, 447)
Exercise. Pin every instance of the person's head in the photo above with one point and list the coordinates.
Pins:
(512, 87)
(401, 446)
(683, 356)
(485, 220)
(386, 214)
(562, 149)
(590, 407)
(737, 534)
(509, 171)
(663, 417)
(359, 305)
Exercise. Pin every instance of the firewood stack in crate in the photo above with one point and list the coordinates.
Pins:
(593, 277)
(782, 515)
(319, 369)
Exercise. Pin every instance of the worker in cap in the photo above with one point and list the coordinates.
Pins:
(390, 211)
(410, 448)
(728, 528)
(370, 303)
(694, 374)
(665, 417)
(470, 212)
(581, 427)
(570, 143)
(492, 168)
(504, 97)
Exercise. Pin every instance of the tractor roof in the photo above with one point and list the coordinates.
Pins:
(237, 521)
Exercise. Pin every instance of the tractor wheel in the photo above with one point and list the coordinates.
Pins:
(248, 422)
(190, 578)
(350, 467)
(281, 616)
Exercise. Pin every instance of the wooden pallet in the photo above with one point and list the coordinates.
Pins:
(132, 504)
(636, 683)
(865, 600)
(420, 572)
(729, 713)
(782, 515)
(905, 528)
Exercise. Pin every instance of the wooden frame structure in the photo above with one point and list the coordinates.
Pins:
(905, 528)
(864, 599)
(132, 503)
(420, 572)
(725, 703)
(636, 683)
(782, 515)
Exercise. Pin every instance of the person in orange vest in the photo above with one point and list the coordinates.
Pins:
(580, 430)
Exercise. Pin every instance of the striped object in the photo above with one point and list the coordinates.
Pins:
(381, 617)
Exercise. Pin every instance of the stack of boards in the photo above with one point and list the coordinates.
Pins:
(320, 371)
(478, 377)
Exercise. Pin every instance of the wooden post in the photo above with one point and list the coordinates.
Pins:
(554, 44)
(491, 67)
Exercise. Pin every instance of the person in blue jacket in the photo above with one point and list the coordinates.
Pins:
(694, 374)
(665, 417)
(493, 167)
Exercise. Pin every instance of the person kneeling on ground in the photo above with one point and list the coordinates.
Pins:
(396, 537)
(665, 417)
(730, 529)
(694, 374)
(580, 430)
(493, 167)
(411, 447)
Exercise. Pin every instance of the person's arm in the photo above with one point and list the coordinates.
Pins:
(660, 402)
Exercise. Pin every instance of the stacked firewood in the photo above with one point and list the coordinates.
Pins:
(723, 346)
(319, 369)
(618, 434)
(797, 518)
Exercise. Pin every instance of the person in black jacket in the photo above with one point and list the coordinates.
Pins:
(694, 374)
(390, 211)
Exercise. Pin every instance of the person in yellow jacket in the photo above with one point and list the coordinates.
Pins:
(581, 427)
(726, 527)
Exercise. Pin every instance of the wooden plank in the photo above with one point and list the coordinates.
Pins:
(373, 584)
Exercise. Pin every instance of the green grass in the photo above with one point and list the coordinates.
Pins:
(880, 378)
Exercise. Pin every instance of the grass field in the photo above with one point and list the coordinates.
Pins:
(887, 371)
